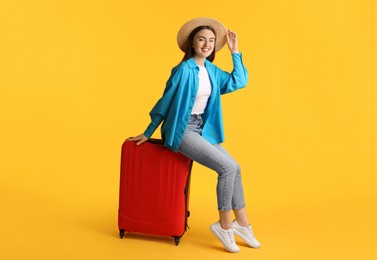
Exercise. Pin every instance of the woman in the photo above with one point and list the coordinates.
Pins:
(191, 117)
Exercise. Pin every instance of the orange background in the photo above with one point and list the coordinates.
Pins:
(78, 77)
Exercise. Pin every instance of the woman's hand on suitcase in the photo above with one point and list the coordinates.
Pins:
(139, 139)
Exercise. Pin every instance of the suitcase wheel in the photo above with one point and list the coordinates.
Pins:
(121, 233)
(176, 240)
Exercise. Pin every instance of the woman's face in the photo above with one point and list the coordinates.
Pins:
(204, 43)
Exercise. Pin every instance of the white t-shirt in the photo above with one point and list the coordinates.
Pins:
(204, 92)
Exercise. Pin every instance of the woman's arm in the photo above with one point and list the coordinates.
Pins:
(238, 78)
(161, 108)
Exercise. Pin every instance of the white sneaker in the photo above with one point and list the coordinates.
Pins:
(226, 237)
(246, 233)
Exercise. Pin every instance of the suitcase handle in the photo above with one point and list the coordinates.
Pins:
(155, 141)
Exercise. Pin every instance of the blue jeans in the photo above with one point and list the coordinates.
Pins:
(229, 188)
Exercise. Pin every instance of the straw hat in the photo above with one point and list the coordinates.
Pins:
(188, 27)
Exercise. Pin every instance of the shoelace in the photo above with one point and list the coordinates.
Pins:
(250, 231)
(231, 236)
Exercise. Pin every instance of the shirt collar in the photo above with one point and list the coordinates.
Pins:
(192, 63)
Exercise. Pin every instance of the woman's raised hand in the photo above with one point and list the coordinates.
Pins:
(232, 41)
(139, 139)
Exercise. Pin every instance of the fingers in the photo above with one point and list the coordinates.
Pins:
(139, 139)
(133, 139)
(232, 41)
(231, 34)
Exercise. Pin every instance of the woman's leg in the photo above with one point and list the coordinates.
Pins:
(195, 147)
(225, 219)
(229, 186)
(241, 217)
(238, 201)
(241, 226)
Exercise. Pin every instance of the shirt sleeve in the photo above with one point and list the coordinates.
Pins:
(237, 79)
(161, 108)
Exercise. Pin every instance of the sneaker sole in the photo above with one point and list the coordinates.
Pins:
(214, 231)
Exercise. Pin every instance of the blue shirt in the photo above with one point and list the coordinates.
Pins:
(175, 106)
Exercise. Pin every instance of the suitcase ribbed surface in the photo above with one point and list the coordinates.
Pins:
(152, 189)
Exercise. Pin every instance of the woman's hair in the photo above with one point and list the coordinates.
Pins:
(190, 52)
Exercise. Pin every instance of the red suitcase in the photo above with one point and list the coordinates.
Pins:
(154, 190)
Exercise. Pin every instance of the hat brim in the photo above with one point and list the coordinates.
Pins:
(188, 27)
